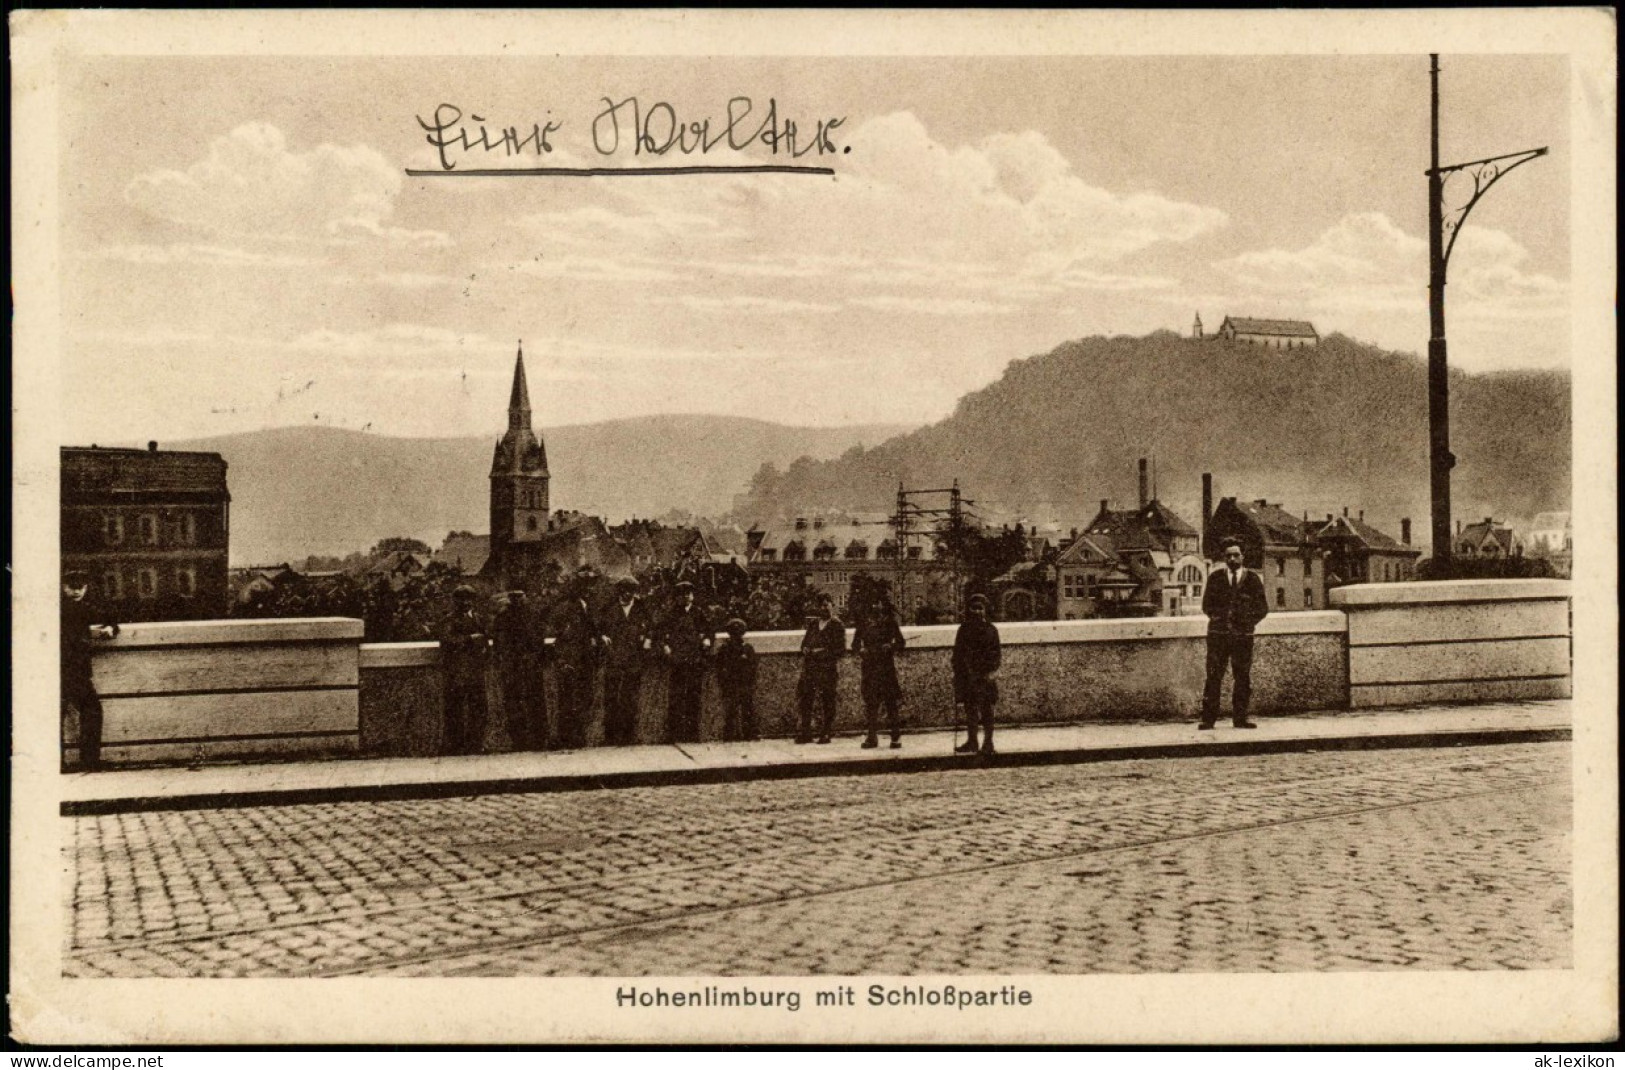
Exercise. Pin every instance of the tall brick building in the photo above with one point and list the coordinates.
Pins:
(150, 527)
(1282, 548)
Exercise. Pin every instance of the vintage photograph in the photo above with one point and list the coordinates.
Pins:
(795, 542)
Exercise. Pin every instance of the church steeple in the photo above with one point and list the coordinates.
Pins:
(519, 477)
(519, 400)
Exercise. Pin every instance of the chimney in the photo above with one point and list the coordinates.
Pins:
(1103, 503)
(818, 523)
(1329, 518)
(152, 447)
(1458, 529)
(1405, 530)
(1362, 516)
(1207, 504)
(1345, 512)
(1145, 484)
(801, 523)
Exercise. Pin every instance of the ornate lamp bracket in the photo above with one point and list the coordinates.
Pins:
(1484, 173)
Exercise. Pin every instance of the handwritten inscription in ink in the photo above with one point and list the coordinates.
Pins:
(452, 139)
(630, 127)
(656, 130)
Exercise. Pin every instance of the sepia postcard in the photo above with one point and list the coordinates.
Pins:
(847, 528)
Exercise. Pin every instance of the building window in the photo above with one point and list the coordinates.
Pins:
(768, 555)
(112, 586)
(1280, 598)
(1308, 598)
(146, 582)
(914, 553)
(113, 529)
(530, 523)
(186, 582)
(1280, 566)
(146, 527)
(186, 529)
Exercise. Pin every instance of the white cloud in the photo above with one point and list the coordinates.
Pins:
(932, 306)
(1004, 221)
(251, 185)
(751, 304)
(178, 254)
(1365, 261)
(150, 336)
(396, 340)
(601, 268)
(413, 280)
(595, 224)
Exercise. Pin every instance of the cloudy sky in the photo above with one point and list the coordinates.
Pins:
(242, 247)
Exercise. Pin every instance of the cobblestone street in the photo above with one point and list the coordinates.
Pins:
(1450, 858)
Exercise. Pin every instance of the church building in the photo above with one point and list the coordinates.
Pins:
(531, 545)
(519, 472)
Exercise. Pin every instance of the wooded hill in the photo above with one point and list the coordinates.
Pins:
(1342, 424)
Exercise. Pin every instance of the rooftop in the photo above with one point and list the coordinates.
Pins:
(1280, 328)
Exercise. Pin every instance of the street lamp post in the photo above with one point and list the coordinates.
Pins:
(1443, 229)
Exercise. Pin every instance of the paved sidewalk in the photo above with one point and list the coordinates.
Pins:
(404, 778)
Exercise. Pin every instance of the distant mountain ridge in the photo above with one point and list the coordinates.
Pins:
(1314, 429)
(303, 490)
(1318, 429)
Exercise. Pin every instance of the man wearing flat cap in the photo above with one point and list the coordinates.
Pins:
(520, 647)
(464, 657)
(736, 682)
(876, 640)
(578, 647)
(976, 662)
(821, 650)
(82, 627)
(686, 642)
(625, 630)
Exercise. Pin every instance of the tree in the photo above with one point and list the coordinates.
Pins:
(394, 543)
(1485, 568)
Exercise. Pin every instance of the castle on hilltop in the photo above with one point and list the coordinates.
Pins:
(1280, 334)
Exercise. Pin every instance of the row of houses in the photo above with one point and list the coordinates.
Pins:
(1150, 562)
(830, 553)
(1140, 561)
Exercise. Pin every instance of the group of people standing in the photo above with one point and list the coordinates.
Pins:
(621, 641)
(624, 640)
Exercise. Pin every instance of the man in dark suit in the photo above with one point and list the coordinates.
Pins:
(876, 640)
(625, 626)
(82, 626)
(1234, 603)
(821, 650)
(736, 682)
(578, 646)
(464, 654)
(520, 644)
(687, 644)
